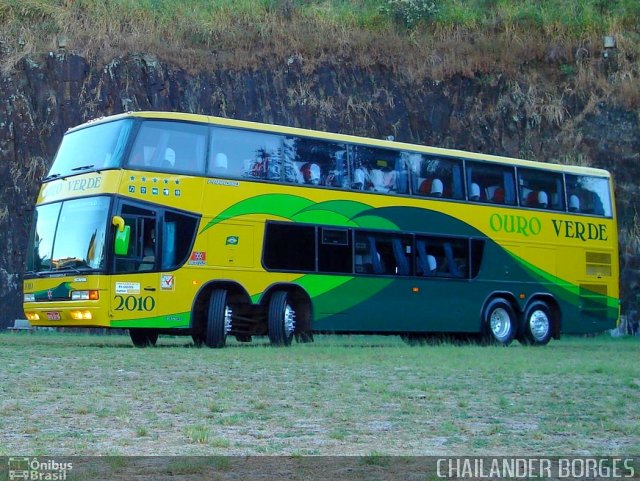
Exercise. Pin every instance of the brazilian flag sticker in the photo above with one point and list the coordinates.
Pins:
(232, 240)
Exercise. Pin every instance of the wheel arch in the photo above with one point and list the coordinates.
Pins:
(236, 295)
(300, 299)
(507, 296)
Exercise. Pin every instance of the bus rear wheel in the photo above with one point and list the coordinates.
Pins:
(281, 319)
(499, 322)
(538, 324)
(143, 337)
(218, 319)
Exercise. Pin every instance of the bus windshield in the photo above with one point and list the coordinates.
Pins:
(69, 235)
(96, 147)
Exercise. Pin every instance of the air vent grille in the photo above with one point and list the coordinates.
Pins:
(598, 264)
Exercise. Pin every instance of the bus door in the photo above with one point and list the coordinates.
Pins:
(136, 282)
(145, 285)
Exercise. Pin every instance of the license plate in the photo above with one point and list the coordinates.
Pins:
(53, 316)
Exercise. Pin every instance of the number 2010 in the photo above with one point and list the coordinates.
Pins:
(135, 303)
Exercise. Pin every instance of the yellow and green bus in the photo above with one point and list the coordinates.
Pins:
(188, 224)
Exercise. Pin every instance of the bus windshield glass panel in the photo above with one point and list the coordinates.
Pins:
(69, 235)
(96, 147)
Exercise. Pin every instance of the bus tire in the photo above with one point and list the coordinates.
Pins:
(218, 319)
(537, 327)
(281, 319)
(499, 322)
(143, 337)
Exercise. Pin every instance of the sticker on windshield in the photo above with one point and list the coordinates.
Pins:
(127, 288)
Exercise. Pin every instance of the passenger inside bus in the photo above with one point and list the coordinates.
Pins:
(360, 179)
(311, 173)
(383, 180)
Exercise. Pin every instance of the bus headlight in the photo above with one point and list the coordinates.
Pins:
(84, 295)
(29, 297)
(80, 315)
(32, 316)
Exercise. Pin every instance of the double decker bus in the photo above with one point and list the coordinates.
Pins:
(189, 224)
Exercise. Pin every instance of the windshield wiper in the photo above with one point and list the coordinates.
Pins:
(83, 167)
(51, 177)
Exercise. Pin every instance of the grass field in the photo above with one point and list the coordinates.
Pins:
(69, 394)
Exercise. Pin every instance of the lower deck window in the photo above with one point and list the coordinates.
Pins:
(290, 247)
(305, 248)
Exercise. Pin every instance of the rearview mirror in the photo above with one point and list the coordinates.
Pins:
(123, 234)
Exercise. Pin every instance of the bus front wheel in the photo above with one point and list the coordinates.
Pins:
(281, 319)
(218, 319)
(499, 322)
(537, 327)
(143, 337)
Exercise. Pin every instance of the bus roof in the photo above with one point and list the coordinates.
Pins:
(352, 139)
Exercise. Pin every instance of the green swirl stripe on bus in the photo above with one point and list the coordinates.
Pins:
(176, 320)
(61, 291)
(299, 209)
(345, 213)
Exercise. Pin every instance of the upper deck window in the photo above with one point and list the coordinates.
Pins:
(319, 162)
(436, 176)
(588, 195)
(170, 147)
(95, 147)
(378, 170)
(240, 154)
(540, 189)
(492, 183)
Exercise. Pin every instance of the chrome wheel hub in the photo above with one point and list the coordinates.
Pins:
(539, 325)
(500, 323)
(227, 320)
(289, 320)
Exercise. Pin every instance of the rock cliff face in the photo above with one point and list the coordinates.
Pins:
(44, 95)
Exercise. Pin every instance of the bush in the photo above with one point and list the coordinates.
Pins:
(410, 13)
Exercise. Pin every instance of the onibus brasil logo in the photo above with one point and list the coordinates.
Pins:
(38, 470)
